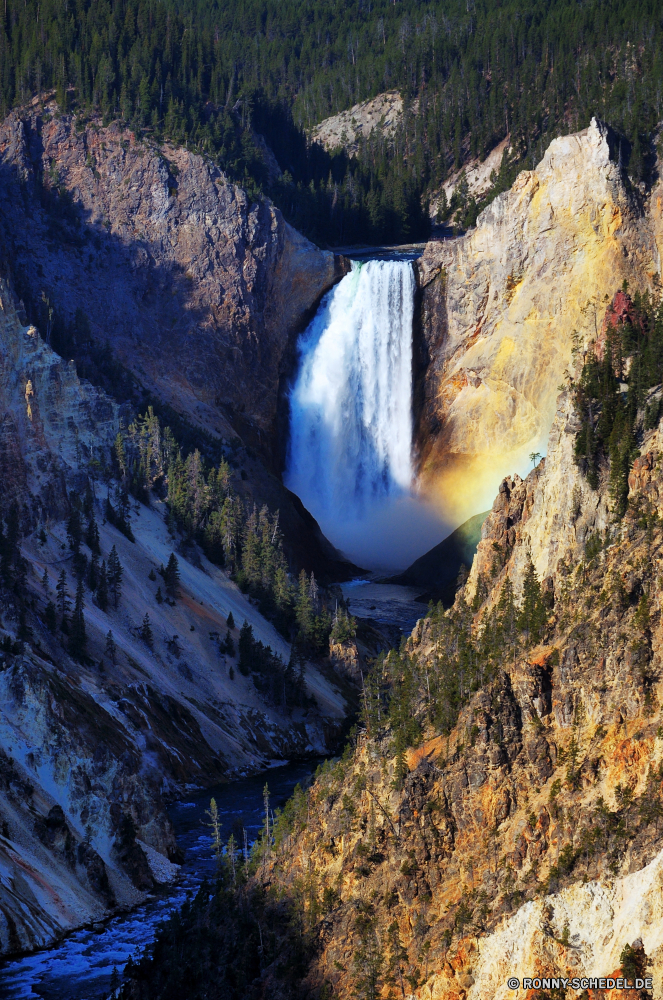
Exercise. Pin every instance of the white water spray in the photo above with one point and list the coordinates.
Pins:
(350, 456)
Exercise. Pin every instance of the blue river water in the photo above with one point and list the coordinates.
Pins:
(80, 967)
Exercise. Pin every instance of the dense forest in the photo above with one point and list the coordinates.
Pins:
(204, 508)
(214, 75)
(611, 393)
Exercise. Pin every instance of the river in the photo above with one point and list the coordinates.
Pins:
(80, 967)
(385, 603)
(351, 423)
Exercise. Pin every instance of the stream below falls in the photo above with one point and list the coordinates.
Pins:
(80, 967)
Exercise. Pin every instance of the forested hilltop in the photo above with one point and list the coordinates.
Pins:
(214, 75)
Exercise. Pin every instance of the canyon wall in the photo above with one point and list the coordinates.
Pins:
(526, 840)
(52, 422)
(197, 287)
(92, 748)
(501, 306)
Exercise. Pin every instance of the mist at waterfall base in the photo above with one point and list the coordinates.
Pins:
(350, 448)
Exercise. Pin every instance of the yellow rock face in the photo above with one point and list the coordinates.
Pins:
(500, 306)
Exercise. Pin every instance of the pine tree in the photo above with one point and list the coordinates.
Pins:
(124, 515)
(304, 606)
(93, 573)
(74, 530)
(77, 634)
(230, 622)
(115, 574)
(251, 550)
(159, 596)
(268, 533)
(215, 826)
(532, 617)
(92, 535)
(120, 455)
(246, 643)
(400, 762)
(507, 617)
(102, 587)
(44, 580)
(79, 565)
(146, 630)
(171, 576)
(111, 648)
(62, 599)
(313, 590)
(282, 589)
(50, 617)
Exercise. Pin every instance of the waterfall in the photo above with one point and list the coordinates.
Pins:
(350, 450)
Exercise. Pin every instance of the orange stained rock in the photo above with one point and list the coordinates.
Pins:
(201, 610)
(431, 748)
(613, 994)
(39, 878)
(629, 752)
(462, 958)
(540, 658)
(445, 994)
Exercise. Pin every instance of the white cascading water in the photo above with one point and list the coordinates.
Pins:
(350, 454)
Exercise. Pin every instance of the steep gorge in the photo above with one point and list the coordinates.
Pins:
(209, 292)
(393, 854)
(93, 746)
(499, 813)
(516, 836)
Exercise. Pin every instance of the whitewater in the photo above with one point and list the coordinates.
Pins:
(350, 454)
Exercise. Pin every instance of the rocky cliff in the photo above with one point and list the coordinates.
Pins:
(524, 839)
(501, 306)
(198, 289)
(92, 747)
(348, 128)
(500, 814)
(52, 423)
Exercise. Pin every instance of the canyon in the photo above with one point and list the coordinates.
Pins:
(498, 813)
(92, 749)
(438, 865)
(521, 837)
(210, 291)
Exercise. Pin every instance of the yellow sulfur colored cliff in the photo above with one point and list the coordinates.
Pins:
(500, 306)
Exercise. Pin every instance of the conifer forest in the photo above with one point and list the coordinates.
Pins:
(213, 75)
(331, 499)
